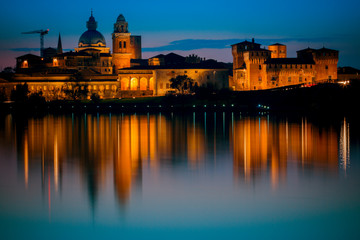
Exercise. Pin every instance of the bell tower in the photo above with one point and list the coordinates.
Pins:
(125, 46)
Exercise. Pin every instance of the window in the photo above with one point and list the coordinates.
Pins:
(120, 44)
(326, 67)
(207, 77)
(260, 79)
(300, 79)
(329, 78)
(259, 67)
(289, 79)
(124, 44)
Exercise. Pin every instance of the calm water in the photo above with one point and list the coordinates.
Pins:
(179, 176)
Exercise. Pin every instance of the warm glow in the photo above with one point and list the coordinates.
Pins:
(143, 84)
(56, 163)
(151, 84)
(134, 84)
(25, 64)
(26, 160)
(124, 84)
(258, 146)
(55, 62)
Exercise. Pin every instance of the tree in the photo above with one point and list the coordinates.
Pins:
(181, 83)
(2, 95)
(37, 98)
(20, 93)
(75, 91)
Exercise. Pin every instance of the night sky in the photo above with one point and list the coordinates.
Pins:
(206, 28)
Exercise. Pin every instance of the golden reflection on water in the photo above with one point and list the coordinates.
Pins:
(123, 145)
(261, 145)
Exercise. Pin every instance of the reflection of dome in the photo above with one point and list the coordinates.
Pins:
(92, 38)
(121, 18)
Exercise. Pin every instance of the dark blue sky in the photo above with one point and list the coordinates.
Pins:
(203, 27)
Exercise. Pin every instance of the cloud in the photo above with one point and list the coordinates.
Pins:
(193, 44)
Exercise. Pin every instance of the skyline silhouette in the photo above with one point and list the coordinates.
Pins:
(206, 28)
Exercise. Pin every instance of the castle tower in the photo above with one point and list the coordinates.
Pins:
(278, 50)
(125, 46)
(249, 69)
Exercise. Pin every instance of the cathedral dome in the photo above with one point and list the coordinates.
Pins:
(92, 37)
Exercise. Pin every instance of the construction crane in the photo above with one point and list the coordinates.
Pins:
(42, 34)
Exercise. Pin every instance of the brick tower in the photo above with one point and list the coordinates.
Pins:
(125, 46)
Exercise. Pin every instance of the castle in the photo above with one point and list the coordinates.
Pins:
(123, 73)
(256, 68)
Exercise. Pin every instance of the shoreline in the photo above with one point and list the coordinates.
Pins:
(319, 99)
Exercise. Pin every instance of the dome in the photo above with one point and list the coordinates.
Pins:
(92, 38)
(121, 18)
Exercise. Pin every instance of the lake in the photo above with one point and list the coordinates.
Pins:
(197, 175)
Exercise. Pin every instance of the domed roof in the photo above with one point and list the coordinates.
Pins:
(92, 38)
(121, 18)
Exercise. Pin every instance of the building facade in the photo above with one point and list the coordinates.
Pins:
(122, 73)
(256, 68)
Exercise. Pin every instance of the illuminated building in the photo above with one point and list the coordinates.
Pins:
(257, 68)
(119, 74)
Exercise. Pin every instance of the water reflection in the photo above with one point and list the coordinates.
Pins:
(116, 149)
(263, 146)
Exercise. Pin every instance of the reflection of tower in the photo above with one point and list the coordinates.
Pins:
(127, 155)
(344, 156)
(125, 46)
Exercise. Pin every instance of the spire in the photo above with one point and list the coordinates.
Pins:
(59, 47)
(91, 24)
